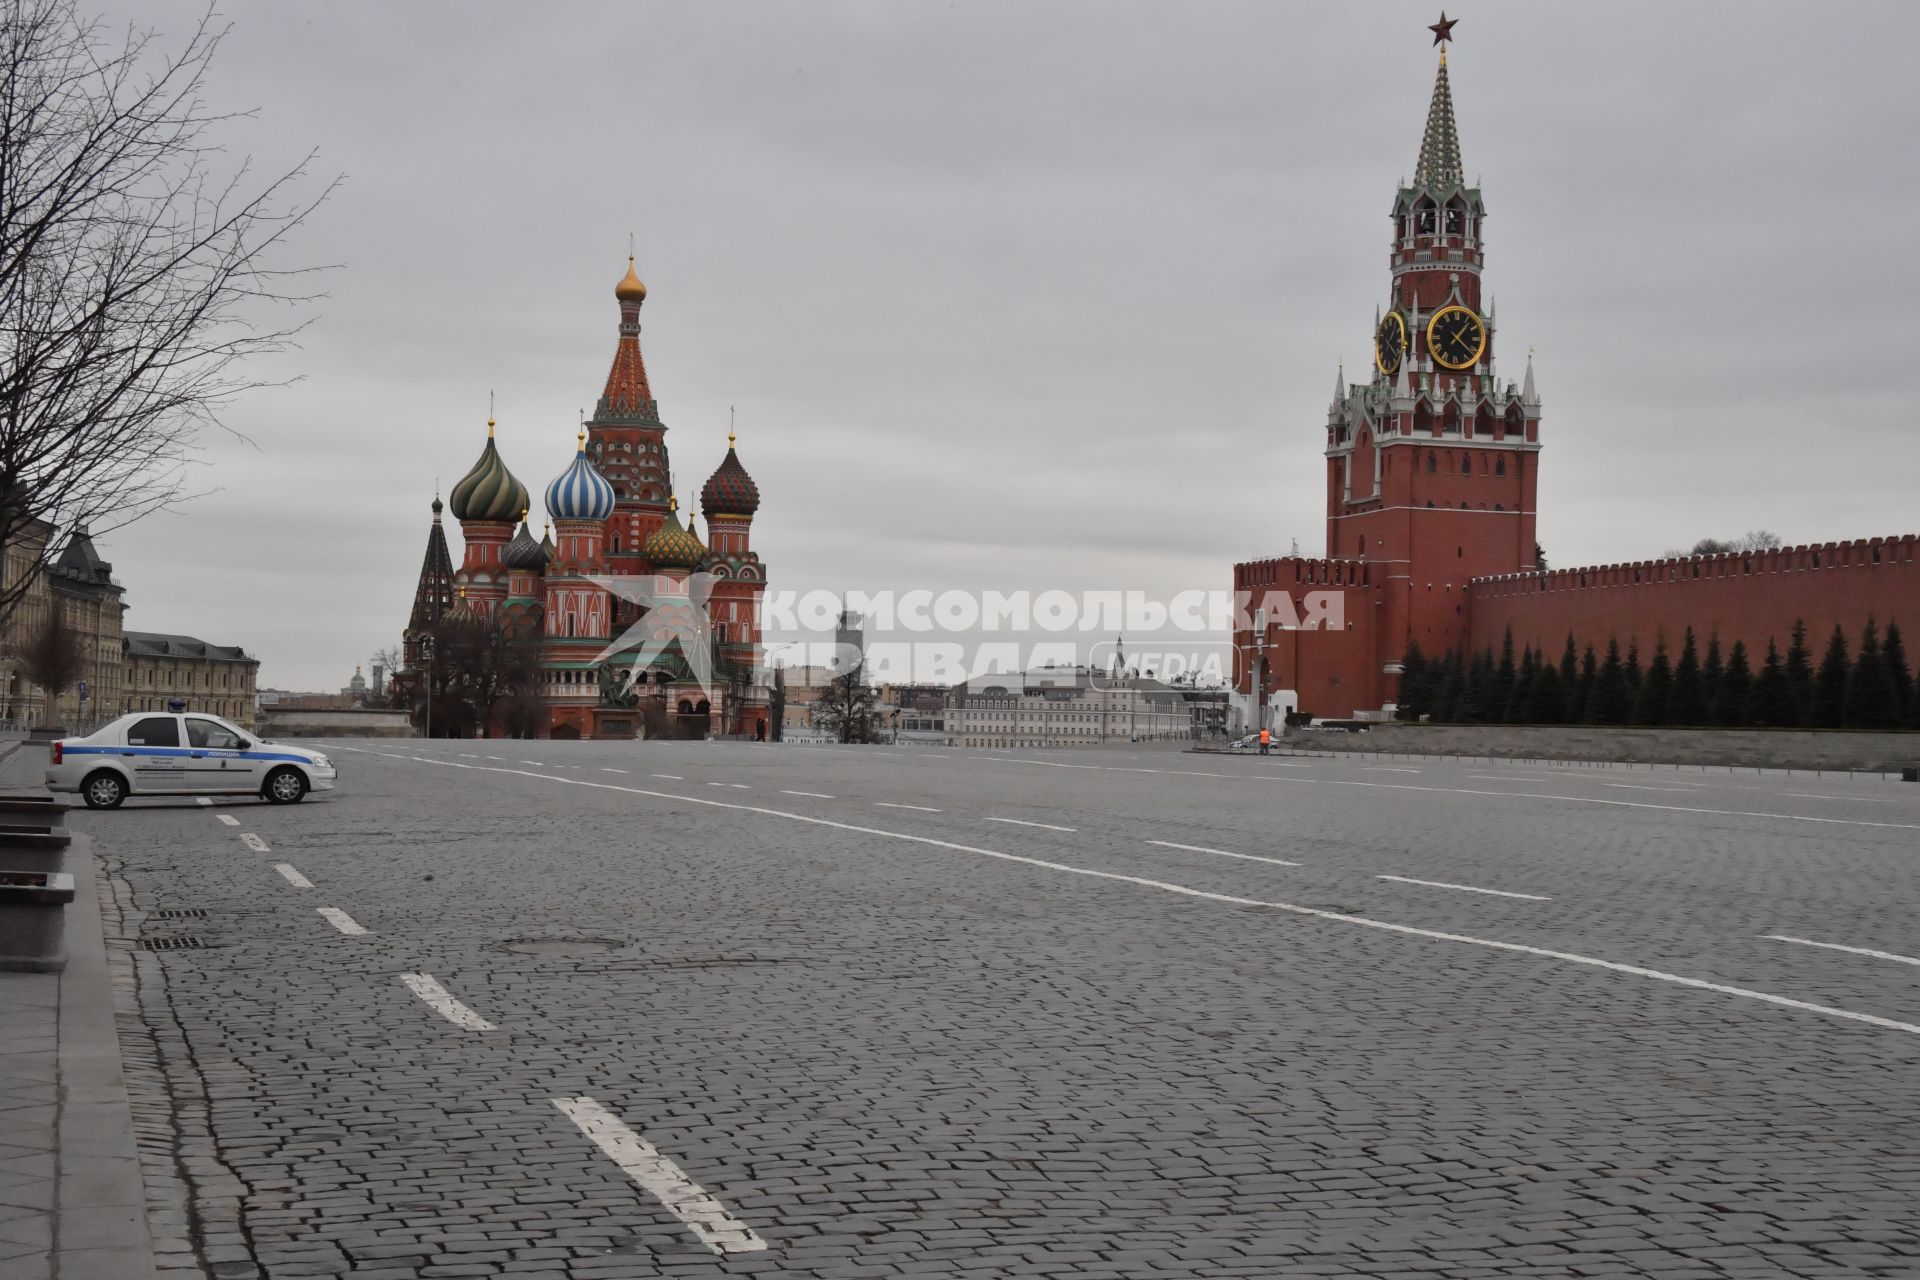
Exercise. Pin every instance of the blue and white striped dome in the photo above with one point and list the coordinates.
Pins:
(581, 493)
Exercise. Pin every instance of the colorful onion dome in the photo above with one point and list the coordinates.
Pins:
(523, 553)
(463, 610)
(581, 493)
(546, 541)
(672, 547)
(488, 491)
(730, 491)
(630, 289)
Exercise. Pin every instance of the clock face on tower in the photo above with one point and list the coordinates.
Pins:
(1456, 338)
(1390, 343)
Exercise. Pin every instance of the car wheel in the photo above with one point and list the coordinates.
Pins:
(104, 790)
(285, 785)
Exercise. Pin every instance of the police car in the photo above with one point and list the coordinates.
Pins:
(182, 754)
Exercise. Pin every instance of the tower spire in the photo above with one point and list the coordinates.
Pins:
(1439, 163)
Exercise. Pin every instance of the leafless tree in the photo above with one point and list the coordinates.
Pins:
(53, 656)
(848, 707)
(139, 271)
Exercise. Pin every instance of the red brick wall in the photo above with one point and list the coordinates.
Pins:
(1740, 597)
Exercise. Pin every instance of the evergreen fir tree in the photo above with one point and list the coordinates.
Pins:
(1476, 703)
(1687, 704)
(1452, 686)
(1569, 667)
(1611, 699)
(1830, 687)
(1414, 692)
(1870, 700)
(1520, 700)
(1893, 652)
(1799, 671)
(1650, 701)
(1580, 693)
(1772, 705)
(1734, 690)
(1711, 672)
(1633, 673)
(1504, 676)
(1547, 700)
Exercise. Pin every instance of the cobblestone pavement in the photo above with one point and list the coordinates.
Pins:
(891, 1013)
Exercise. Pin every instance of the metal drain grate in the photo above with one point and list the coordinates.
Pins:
(178, 913)
(188, 943)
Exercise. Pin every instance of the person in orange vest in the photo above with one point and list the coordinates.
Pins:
(1266, 737)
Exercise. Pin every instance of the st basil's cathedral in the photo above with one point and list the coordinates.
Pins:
(612, 515)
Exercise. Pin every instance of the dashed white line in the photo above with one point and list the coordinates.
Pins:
(293, 877)
(1044, 826)
(428, 988)
(535, 763)
(661, 1178)
(1640, 786)
(1468, 888)
(228, 818)
(1811, 795)
(1834, 946)
(1292, 908)
(1223, 853)
(254, 842)
(811, 795)
(489, 757)
(670, 777)
(740, 785)
(919, 807)
(203, 800)
(341, 921)
(609, 769)
(1389, 768)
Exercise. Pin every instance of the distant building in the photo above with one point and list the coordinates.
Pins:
(1065, 707)
(217, 679)
(81, 585)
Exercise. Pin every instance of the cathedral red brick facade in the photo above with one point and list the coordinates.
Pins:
(1432, 478)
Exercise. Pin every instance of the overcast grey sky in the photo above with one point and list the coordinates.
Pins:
(1038, 294)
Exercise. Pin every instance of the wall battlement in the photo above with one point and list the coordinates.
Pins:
(1811, 558)
(1304, 571)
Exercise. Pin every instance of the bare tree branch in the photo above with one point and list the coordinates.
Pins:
(137, 278)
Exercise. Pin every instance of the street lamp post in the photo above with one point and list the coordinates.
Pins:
(1260, 669)
(426, 651)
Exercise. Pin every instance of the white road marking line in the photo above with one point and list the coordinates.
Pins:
(1389, 768)
(1044, 826)
(293, 877)
(428, 988)
(1834, 946)
(608, 769)
(341, 921)
(670, 777)
(812, 795)
(535, 763)
(228, 818)
(203, 800)
(661, 1178)
(921, 807)
(740, 785)
(1468, 888)
(489, 757)
(469, 755)
(1810, 795)
(1639, 786)
(254, 842)
(1292, 908)
(1223, 853)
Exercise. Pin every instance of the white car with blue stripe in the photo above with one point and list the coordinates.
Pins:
(182, 754)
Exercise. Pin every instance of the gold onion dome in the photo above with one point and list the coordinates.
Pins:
(630, 289)
(673, 547)
(488, 491)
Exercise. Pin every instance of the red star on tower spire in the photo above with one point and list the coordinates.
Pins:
(1443, 31)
